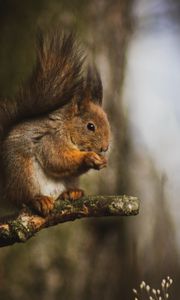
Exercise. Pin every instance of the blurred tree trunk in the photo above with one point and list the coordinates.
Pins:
(110, 27)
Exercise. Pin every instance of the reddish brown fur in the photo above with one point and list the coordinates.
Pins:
(43, 157)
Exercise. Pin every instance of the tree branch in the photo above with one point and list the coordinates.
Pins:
(22, 226)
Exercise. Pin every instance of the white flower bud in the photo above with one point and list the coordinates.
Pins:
(142, 285)
(167, 285)
(163, 282)
(148, 288)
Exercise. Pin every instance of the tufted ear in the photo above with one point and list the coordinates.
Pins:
(93, 86)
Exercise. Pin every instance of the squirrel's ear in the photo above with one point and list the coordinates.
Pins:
(74, 107)
(93, 86)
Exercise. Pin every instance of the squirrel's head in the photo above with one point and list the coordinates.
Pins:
(89, 126)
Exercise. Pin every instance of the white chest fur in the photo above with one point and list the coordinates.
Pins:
(47, 185)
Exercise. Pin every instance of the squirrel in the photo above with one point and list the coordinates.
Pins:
(54, 129)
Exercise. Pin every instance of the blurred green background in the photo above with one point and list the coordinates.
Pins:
(135, 45)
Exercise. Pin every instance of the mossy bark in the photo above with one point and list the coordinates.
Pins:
(20, 227)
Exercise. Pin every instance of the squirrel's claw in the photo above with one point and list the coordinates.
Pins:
(95, 161)
(72, 194)
(43, 204)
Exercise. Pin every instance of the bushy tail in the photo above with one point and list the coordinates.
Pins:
(55, 80)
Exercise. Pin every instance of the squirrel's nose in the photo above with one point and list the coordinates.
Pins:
(104, 149)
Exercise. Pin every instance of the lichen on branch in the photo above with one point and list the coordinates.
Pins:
(22, 226)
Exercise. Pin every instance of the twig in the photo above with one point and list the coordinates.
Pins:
(22, 226)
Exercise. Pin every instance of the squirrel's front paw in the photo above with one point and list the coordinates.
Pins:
(43, 204)
(95, 161)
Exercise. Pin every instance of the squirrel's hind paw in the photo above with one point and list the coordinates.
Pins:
(43, 204)
(72, 194)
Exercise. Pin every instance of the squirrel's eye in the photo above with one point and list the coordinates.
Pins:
(90, 126)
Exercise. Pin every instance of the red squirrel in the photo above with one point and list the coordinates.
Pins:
(55, 129)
